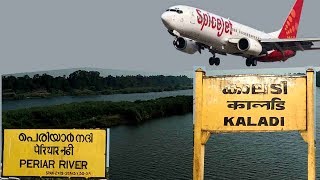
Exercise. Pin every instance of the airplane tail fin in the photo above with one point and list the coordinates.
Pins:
(290, 27)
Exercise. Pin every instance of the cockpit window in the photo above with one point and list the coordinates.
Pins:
(175, 10)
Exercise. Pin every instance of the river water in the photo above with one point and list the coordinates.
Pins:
(163, 148)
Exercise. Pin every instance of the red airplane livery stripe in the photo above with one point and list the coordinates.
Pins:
(223, 26)
(291, 25)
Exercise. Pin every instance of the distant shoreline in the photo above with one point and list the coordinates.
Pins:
(87, 83)
(97, 114)
(11, 96)
(84, 83)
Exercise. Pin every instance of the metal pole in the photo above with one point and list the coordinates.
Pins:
(1, 127)
(108, 150)
(198, 147)
(310, 126)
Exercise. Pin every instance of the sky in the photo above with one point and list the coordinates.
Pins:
(39, 35)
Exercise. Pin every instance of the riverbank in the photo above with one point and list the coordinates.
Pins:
(11, 95)
(83, 83)
(100, 114)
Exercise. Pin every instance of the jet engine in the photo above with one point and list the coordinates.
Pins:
(250, 46)
(185, 45)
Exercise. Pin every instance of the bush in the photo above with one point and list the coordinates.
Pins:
(96, 114)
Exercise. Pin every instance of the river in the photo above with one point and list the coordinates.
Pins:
(27, 103)
(163, 148)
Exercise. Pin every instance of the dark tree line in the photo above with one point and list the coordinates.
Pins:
(97, 114)
(90, 80)
(94, 82)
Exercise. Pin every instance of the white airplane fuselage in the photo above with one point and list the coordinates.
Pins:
(209, 28)
(218, 33)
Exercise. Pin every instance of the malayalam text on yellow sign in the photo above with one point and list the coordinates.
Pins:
(54, 152)
(254, 103)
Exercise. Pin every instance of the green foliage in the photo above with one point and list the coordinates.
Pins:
(88, 83)
(100, 114)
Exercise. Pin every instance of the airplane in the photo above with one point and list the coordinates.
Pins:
(195, 29)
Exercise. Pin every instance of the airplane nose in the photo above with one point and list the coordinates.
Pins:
(165, 18)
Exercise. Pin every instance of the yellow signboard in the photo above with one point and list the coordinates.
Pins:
(253, 103)
(54, 153)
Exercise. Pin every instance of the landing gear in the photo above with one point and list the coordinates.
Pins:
(252, 62)
(211, 61)
(214, 61)
(217, 61)
(248, 62)
(175, 42)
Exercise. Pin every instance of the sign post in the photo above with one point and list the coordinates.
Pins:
(310, 126)
(54, 153)
(199, 147)
(108, 153)
(253, 103)
(1, 130)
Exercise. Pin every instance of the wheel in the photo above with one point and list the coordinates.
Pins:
(248, 62)
(211, 61)
(217, 61)
(174, 42)
(254, 62)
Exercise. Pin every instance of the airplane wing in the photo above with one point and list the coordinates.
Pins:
(211, 49)
(299, 44)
